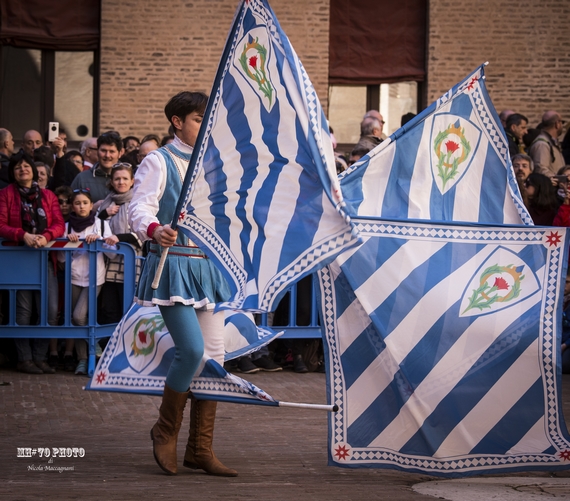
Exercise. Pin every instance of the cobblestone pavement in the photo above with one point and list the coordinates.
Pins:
(280, 453)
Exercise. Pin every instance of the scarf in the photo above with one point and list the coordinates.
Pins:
(34, 218)
(119, 222)
(78, 224)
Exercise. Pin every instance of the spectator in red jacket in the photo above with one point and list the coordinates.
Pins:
(31, 215)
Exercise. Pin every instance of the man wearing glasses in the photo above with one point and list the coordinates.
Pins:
(545, 150)
(378, 116)
(89, 152)
(109, 150)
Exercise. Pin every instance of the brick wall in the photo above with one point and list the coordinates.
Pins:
(151, 50)
(154, 49)
(526, 43)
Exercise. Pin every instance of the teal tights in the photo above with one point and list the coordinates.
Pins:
(182, 323)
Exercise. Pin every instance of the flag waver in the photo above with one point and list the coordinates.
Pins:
(264, 201)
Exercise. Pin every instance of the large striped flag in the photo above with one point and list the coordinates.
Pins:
(443, 348)
(264, 200)
(450, 163)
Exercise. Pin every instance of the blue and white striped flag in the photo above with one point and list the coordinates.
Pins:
(450, 163)
(443, 348)
(264, 201)
(140, 351)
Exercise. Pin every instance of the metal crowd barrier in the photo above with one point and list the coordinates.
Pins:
(26, 268)
(297, 312)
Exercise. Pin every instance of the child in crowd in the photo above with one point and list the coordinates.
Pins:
(83, 224)
(64, 199)
(63, 194)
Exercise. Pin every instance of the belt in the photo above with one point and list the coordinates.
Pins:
(179, 250)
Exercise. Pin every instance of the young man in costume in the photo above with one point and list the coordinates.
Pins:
(189, 287)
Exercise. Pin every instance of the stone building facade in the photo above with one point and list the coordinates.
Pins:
(153, 49)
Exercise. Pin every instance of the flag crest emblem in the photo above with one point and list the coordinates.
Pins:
(496, 286)
(143, 339)
(254, 62)
(454, 145)
(146, 343)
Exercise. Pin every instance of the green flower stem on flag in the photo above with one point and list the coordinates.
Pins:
(258, 65)
(482, 298)
(447, 167)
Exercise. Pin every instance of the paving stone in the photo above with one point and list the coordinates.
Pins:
(280, 453)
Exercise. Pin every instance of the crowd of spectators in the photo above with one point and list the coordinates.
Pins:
(49, 191)
(88, 189)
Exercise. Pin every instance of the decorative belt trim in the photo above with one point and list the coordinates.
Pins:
(180, 250)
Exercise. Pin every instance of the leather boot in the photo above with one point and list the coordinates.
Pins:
(199, 453)
(164, 433)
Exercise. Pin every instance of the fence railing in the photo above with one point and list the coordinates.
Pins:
(26, 268)
(297, 313)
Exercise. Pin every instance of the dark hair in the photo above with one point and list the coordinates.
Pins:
(562, 170)
(515, 119)
(66, 191)
(544, 192)
(530, 136)
(72, 153)
(45, 155)
(184, 103)
(15, 159)
(111, 138)
(359, 151)
(80, 191)
(526, 158)
(165, 140)
(406, 118)
(130, 138)
(131, 158)
(151, 137)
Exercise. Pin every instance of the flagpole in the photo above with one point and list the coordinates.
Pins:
(199, 141)
(318, 407)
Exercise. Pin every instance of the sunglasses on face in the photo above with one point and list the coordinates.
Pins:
(122, 165)
(63, 201)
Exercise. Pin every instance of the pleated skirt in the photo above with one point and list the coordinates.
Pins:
(188, 277)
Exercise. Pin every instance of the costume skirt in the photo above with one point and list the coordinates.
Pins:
(188, 277)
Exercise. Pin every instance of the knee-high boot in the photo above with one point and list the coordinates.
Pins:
(164, 433)
(199, 453)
